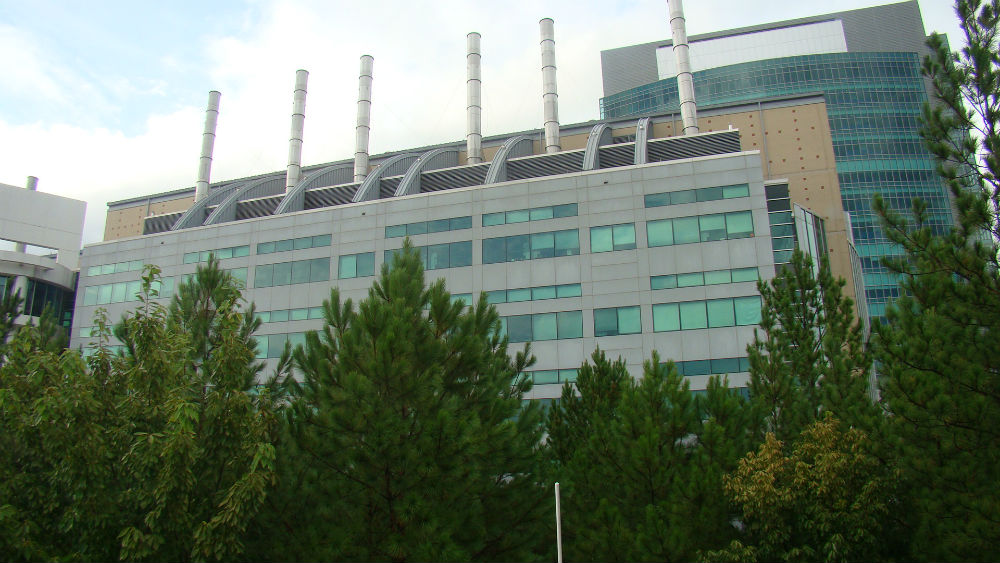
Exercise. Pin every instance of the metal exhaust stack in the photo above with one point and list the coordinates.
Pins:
(33, 186)
(363, 128)
(298, 124)
(685, 83)
(207, 146)
(474, 105)
(550, 98)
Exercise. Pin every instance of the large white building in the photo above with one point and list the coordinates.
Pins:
(613, 234)
(51, 227)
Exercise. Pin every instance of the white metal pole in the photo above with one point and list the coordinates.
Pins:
(559, 557)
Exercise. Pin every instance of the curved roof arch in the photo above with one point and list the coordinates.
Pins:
(195, 215)
(430, 160)
(600, 135)
(369, 189)
(641, 140)
(295, 199)
(498, 167)
(226, 211)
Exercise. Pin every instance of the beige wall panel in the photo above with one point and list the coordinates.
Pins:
(489, 153)
(171, 206)
(124, 223)
(573, 142)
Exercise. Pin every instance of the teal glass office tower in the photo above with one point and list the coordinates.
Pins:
(865, 63)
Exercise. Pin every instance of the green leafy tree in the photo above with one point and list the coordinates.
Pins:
(937, 348)
(59, 478)
(643, 474)
(143, 455)
(200, 457)
(10, 309)
(812, 356)
(828, 499)
(408, 438)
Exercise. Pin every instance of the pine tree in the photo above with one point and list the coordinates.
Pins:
(408, 438)
(937, 349)
(812, 357)
(642, 462)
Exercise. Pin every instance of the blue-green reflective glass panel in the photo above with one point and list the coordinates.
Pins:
(570, 324)
(693, 315)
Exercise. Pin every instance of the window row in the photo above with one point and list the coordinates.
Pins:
(220, 254)
(356, 265)
(695, 279)
(425, 227)
(529, 247)
(701, 194)
(552, 376)
(715, 366)
(612, 237)
(130, 266)
(123, 292)
(533, 214)
(543, 326)
(293, 244)
(439, 256)
(617, 320)
(272, 345)
(700, 228)
(534, 293)
(713, 313)
(290, 273)
(283, 315)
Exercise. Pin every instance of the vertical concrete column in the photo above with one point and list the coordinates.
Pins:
(362, 130)
(550, 95)
(474, 103)
(20, 246)
(207, 146)
(298, 124)
(685, 82)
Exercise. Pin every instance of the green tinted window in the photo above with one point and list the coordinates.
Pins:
(570, 324)
(600, 239)
(543, 326)
(693, 315)
(720, 313)
(666, 317)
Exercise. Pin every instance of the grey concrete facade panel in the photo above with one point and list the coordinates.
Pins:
(609, 279)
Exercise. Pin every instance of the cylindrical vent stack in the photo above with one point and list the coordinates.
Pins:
(33, 186)
(685, 83)
(363, 128)
(207, 146)
(298, 124)
(550, 97)
(474, 98)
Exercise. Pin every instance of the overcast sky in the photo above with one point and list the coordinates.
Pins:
(105, 100)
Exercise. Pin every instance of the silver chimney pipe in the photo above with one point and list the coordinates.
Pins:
(685, 83)
(33, 186)
(298, 124)
(550, 98)
(474, 98)
(363, 127)
(207, 146)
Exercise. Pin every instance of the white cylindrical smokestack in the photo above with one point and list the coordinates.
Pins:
(207, 146)
(550, 97)
(33, 186)
(685, 83)
(363, 128)
(474, 101)
(298, 124)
